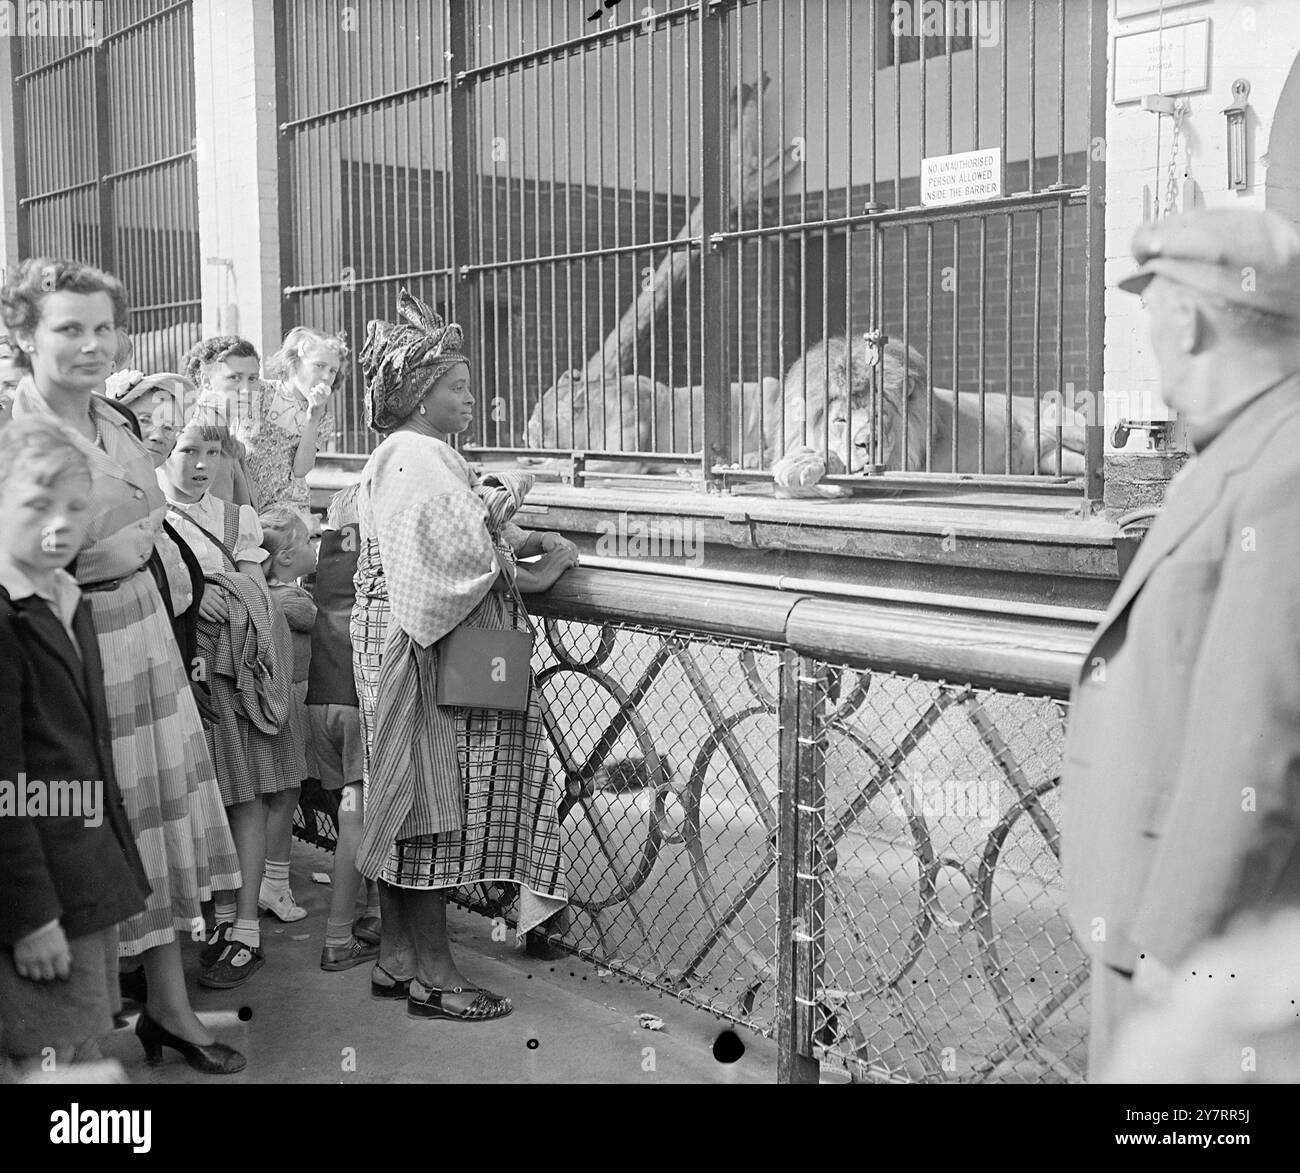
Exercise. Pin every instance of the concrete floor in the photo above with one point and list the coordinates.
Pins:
(298, 1024)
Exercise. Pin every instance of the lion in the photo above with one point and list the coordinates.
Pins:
(636, 414)
(817, 440)
(788, 427)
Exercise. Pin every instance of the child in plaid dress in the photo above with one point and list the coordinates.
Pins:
(247, 658)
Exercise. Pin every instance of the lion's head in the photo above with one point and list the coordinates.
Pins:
(828, 404)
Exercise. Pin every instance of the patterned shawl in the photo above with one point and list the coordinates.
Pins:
(437, 528)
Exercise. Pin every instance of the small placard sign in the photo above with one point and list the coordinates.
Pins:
(961, 179)
(1173, 60)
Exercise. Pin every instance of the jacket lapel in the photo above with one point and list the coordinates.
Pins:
(1202, 489)
(51, 634)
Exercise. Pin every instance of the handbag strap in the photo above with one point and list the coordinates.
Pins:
(520, 609)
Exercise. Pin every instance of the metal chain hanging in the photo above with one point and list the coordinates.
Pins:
(1171, 181)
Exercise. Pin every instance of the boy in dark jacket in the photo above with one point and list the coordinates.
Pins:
(69, 868)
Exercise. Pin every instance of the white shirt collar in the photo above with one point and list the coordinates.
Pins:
(64, 596)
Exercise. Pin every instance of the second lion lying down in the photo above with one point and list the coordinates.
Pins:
(818, 421)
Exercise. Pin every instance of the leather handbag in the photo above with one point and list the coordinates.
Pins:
(479, 668)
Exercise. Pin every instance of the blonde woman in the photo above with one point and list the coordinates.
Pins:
(290, 416)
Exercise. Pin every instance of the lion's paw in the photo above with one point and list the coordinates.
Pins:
(800, 468)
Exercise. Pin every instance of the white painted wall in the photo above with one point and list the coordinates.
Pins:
(1258, 40)
(236, 143)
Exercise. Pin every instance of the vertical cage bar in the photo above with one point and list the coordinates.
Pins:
(463, 48)
(1009, 296)
(1032, 154)
(22, 146)
(929, 344)
(714, 180)
(1036, 378)
(956, 343)
(1095, 261)
(284, 58)
(103, 157)
(1060, 97)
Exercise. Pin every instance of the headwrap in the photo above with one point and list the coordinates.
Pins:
(401, 362)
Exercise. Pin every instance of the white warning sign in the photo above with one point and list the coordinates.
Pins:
(959, 179)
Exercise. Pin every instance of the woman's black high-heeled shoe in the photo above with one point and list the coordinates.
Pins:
(213, 1059)
(132, 985)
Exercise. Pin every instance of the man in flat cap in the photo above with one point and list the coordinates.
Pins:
(1181, 794)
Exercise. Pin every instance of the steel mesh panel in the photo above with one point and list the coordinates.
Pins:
(667, 746)
(945, 952)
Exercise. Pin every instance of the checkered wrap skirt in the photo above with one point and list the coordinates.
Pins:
(162, 766)
(511, 830)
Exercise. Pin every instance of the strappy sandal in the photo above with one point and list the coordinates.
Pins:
(485, 1007)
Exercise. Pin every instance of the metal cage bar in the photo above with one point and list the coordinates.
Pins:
(105, 162)
(672, 209)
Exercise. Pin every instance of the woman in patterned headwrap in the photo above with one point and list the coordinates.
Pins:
(453, 796)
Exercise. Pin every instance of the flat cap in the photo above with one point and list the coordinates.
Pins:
(1241, 255)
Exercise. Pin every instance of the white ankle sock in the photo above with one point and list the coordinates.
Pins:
(247, 932)
(276, 875)
(223, 914)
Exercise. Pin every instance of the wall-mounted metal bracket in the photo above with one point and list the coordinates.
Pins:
(1236, 116)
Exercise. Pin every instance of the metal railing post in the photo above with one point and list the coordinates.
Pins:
(800, 899)
(714, 177)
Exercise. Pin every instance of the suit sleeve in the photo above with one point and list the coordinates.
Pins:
(28, 898)
(1234, 819)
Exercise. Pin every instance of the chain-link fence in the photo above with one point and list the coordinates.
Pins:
(938, 945)
(724, 795)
